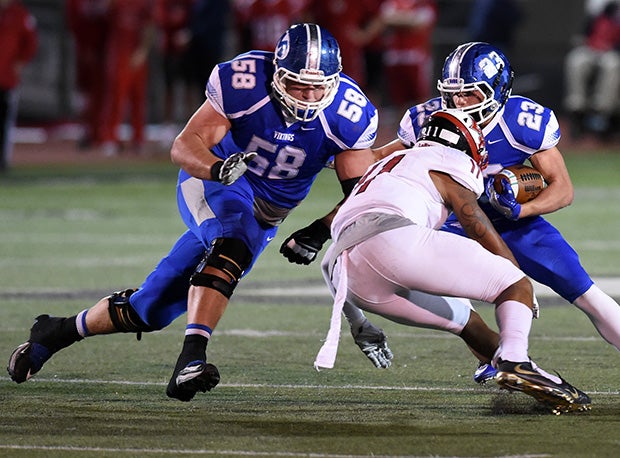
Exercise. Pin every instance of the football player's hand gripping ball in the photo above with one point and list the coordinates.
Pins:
(504, 201)
(303, 245)
(230, 169)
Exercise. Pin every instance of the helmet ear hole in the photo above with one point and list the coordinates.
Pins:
(310, 55)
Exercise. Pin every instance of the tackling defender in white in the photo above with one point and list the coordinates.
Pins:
(388, 255)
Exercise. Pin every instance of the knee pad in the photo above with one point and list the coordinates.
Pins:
(231, 257)
(123, 316)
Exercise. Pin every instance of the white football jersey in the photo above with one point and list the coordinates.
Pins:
(400, 184)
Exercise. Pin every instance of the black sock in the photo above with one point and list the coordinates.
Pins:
(68, 332)
(54, 332)
(195, 347)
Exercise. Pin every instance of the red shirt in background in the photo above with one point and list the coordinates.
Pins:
(344, 19)
(172, 17)
(128, 20)
(262, 22)
(131, 30)
(408, 49)
(88, 22)
(401, 40)
(605, 35)
(18, 42)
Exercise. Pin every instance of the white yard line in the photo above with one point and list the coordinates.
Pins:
(277, 386)
(176, 452)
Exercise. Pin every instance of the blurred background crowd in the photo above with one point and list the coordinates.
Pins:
(115, 75)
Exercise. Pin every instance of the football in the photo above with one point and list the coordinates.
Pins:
(526, 182)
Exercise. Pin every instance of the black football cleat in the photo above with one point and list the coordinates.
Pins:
(194, 377)
(560, 398)
(26, 360)
(45, 339)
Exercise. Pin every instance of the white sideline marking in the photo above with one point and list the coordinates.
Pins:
(189, 451)
(217, 452)
(285, 386)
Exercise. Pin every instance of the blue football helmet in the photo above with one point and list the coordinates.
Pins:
(478, 66)
(307, 54)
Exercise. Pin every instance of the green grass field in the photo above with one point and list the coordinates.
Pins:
(73, 234)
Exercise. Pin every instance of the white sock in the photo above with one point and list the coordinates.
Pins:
(604, 313)
(80, 323)
(514, 320)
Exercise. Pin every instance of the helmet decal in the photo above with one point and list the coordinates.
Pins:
(284, 45)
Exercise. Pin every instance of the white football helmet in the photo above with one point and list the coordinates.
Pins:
(456, 129)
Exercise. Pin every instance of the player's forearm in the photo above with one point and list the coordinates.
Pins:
(553, 198)
(478, 227)
(192, 155)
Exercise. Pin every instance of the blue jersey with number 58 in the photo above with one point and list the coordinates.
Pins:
(520, 129)
(289, 154)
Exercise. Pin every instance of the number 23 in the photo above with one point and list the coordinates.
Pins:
(531, 115)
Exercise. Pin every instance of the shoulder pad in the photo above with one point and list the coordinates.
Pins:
(414, 117)
(530, 124)
(351, 117)
(243, 81)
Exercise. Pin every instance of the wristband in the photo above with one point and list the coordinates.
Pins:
(215, 170)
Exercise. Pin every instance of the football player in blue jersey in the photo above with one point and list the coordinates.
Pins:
(248, 156)
(477, 78)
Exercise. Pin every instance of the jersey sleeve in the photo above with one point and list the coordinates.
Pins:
(461, 168)
(533, 126)
(406, 133)
(351, 120)
(412, 120)
(241, 84)
(552, 132)
(214, 91)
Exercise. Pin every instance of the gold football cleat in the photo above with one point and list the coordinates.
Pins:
(560, 398)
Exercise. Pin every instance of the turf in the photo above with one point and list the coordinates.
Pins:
(71, 234)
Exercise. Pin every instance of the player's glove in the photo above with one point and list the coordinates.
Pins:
(373, 343)
(504, 201)
(230, 169)
(302, 246)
